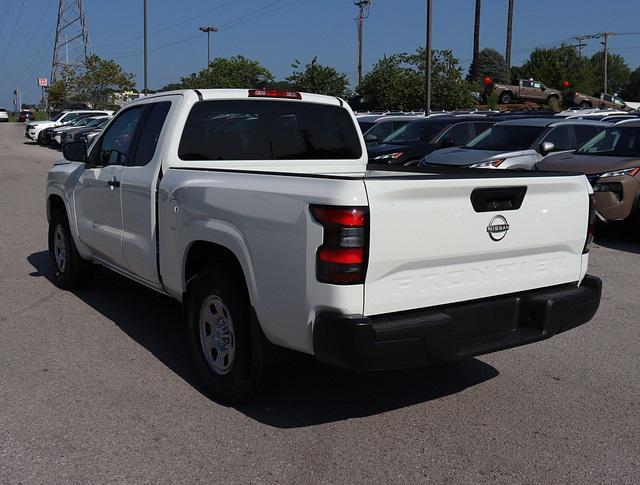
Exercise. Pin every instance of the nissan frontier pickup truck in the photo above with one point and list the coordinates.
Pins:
(256, 210)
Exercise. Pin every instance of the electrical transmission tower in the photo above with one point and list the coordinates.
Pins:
(72, 37)
(363, 6)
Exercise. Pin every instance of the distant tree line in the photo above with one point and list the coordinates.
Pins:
(395, 82)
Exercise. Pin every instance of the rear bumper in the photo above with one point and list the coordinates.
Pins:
(435, 335)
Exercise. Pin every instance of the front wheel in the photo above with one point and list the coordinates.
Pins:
(505, 98)
(218, 314)
(69, 270)
(585, 104)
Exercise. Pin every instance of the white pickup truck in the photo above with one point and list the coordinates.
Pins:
(256, 210)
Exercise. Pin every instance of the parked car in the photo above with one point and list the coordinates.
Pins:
(386, 125)
(273, 233)
(26, 115)
(83, 133)
(518, 144)
(55, 135)
(4, 115)
(598, 100)
(33, 129)
(407, 145)
(524, 90)
(611, 161)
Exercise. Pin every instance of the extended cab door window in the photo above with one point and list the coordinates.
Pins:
(148, 140)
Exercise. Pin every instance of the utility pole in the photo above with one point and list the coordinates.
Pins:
(580, 39)
(606, 54)
(362, 5)
(476, 41)
(509, 32)
(208, 30)
(427, 64)
(146, 83)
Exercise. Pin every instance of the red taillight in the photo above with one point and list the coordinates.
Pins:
(591, 224)
(274, 93)
(342, 257)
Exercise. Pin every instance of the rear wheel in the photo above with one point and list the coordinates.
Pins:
(218, 314)
(69, 270)
(585, 104)
(505, 98)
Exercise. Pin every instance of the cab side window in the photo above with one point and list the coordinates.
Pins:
(115, 144)
(526, 84)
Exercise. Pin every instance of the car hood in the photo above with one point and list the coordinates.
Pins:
(42, 122)
(467, 156)
(588, 164)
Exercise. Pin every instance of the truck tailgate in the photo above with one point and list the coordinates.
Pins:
(429, 245)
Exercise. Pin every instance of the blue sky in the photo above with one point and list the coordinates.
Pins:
(278, 32)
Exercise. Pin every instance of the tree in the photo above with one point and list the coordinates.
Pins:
(91, 84)
(319, 79)
(99, 80)
(232, 72)
(618, 71)
(397, 82)
(631, 90)
(57, 94)
(564, 63)
(491, 63)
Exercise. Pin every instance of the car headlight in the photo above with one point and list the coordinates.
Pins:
(395, 156)
(489, 164)
(618, 173)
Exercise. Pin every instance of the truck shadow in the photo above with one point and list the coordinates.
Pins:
(305, 393)
(621, 237)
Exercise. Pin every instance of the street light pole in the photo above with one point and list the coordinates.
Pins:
(146, 85)
(427, 64)
(208, 30)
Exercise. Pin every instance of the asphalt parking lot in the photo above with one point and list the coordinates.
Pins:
(97, 386)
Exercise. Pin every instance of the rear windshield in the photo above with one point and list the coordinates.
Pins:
(416, 132)
(614, 142)
(268, 130)
(506, 138)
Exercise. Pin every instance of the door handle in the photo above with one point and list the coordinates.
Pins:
(113, 183)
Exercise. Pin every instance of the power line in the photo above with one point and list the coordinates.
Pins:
(5, 14)
(13, 32)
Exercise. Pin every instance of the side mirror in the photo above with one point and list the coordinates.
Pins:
(546, 147)
(75, 151)
(447, 142)
(370, 138)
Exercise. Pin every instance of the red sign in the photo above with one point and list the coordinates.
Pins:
(43, 82)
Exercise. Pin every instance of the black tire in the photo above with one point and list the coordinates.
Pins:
(505, 97)
(73, 271)
(553, 101)
(236, 378)
(585, 104)
(41, 139)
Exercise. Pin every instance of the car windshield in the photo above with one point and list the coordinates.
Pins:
(506, 138)
(94, 122)
(614, 142)
(103, 123)
(365, 125)
(416, 131)
(81, 122)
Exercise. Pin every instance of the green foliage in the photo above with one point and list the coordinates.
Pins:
(229, 73)
(554, 65)
(491, 63)
(618, 72)
(92, 84)
(397, 82)
(492, 100)
(319, 79)
(631, 91)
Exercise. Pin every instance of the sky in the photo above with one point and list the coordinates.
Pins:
(277, 32)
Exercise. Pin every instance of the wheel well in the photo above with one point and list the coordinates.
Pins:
(204, 253)
(55, 203)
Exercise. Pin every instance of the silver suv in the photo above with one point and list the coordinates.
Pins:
(518, 144)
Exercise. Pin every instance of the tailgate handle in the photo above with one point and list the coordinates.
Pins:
(491, 199)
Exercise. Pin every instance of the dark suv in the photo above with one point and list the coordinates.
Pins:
(407, 145)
